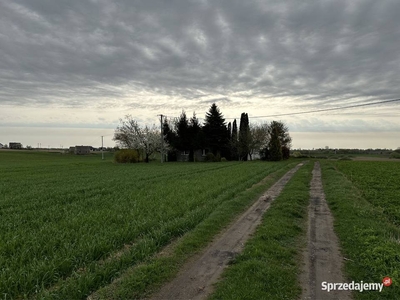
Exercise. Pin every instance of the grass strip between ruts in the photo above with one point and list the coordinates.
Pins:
(369, 241)
(268, 267)
(143, 279)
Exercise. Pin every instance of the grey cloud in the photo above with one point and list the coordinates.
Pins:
(71, 52)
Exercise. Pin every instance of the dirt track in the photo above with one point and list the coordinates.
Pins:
(196, 278)
(322, 258)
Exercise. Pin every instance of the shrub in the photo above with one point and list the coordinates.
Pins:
(126, 156)
(210, 156)
(217, 157)
(223, 159)
(394, 154)
(298, 154)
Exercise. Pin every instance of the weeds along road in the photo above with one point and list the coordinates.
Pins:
(197, 277)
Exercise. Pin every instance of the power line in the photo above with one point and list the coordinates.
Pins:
(326, 109)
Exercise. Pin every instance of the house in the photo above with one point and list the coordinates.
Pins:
(199, 155)
(1, 145)
(80, 150)
(14, 145)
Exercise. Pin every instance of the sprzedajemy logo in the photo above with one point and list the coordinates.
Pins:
(355, 286)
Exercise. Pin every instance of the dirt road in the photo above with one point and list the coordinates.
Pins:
(197, 277)
(322, 258)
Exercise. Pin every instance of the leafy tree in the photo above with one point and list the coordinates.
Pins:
(130, 135)
(285, 152)
(216, 132)
(244, 137)
(283, 133)
(278, 135)
(275, 146)
(258, 138)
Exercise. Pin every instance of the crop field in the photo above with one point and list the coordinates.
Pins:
(71, 224)
(364, 197)
(74, 227)
(379, 184)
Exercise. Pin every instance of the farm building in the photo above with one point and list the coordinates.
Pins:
(14, 145)
(80, 150)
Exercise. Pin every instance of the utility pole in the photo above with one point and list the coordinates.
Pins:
(162, 139)
(102, 151)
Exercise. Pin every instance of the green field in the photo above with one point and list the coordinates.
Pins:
(73, 223)
(364, 197)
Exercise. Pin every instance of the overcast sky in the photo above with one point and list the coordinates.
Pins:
(70, 69)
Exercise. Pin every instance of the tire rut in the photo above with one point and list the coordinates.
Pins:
(196, 278)
(322, 258)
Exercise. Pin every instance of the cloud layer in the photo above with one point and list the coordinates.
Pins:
(262, 55)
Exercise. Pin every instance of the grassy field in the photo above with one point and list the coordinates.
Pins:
(70, 224)
(364, 199)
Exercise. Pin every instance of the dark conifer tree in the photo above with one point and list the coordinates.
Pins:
(196, 136)
(216, 132)
(244, 137)
(182, 131)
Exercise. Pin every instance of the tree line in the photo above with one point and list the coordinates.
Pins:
(221, 140)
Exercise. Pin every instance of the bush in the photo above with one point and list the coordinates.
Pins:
(395, 155)
(210, 157)
(223, 159)
(126, 156)
(298, 154)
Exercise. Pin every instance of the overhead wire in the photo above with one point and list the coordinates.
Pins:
(326, 109)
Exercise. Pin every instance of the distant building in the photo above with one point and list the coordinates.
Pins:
(199, 155)
(80, 150)
(1, 145)
(15, 145)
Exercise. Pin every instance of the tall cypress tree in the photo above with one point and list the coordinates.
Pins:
(216, 132)
(234, 141)
(244, 137)
(229, 155)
